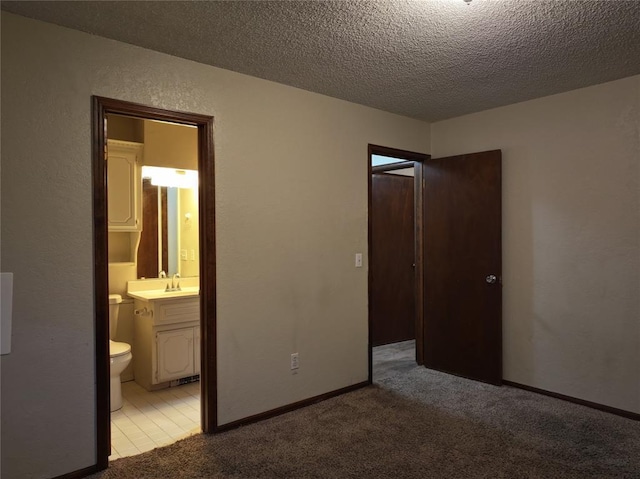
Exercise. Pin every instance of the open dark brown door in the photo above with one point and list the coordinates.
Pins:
(463, 265)
(392, 259)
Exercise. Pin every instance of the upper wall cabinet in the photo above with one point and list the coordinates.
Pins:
(124, 161)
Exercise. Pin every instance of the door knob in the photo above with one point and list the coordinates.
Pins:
(491, 279)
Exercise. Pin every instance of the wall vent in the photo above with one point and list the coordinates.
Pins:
(187, 380)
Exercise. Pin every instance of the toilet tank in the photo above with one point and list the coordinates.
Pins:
(114, 309)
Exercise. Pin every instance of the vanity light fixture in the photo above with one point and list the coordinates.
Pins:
(170, 177)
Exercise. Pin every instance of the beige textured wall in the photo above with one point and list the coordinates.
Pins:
(571, 236)
(291, 186)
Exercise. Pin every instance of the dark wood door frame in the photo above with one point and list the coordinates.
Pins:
(412, 159)
(206, 197)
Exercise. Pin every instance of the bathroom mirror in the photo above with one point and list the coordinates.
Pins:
(170, 239)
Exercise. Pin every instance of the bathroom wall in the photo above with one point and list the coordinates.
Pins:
(124, 128)
(120, 247)
(291, 205)
(189, 232)
(571, 237)
(119, 274)
(124, 332)
(170, 145)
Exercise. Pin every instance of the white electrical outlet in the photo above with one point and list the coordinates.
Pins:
(358, 260)
(294, 361)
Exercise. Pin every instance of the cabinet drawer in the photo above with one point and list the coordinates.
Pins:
(181, 311)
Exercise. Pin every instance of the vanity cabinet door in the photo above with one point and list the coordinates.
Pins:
(175, 354)
(124, 207)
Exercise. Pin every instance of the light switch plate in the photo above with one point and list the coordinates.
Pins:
(358, 260)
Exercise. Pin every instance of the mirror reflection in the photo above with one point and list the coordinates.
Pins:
(169, 241)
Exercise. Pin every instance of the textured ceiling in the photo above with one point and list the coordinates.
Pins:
(430, 59)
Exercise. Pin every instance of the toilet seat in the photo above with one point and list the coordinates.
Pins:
(118, 349)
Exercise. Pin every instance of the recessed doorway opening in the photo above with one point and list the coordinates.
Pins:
(457, 260)
(395, 268)
(153, 238)
(155, 277)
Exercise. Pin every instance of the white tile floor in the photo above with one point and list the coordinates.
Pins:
(151, 419)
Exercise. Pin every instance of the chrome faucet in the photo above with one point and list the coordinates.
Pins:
(175, 284)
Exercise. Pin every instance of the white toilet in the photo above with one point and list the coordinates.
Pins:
(119, 353)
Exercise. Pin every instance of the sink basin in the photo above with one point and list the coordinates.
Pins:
(159, 294)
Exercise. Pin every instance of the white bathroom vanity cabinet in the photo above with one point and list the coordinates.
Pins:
(166, 340)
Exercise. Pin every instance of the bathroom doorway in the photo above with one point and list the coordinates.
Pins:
(155, 259)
